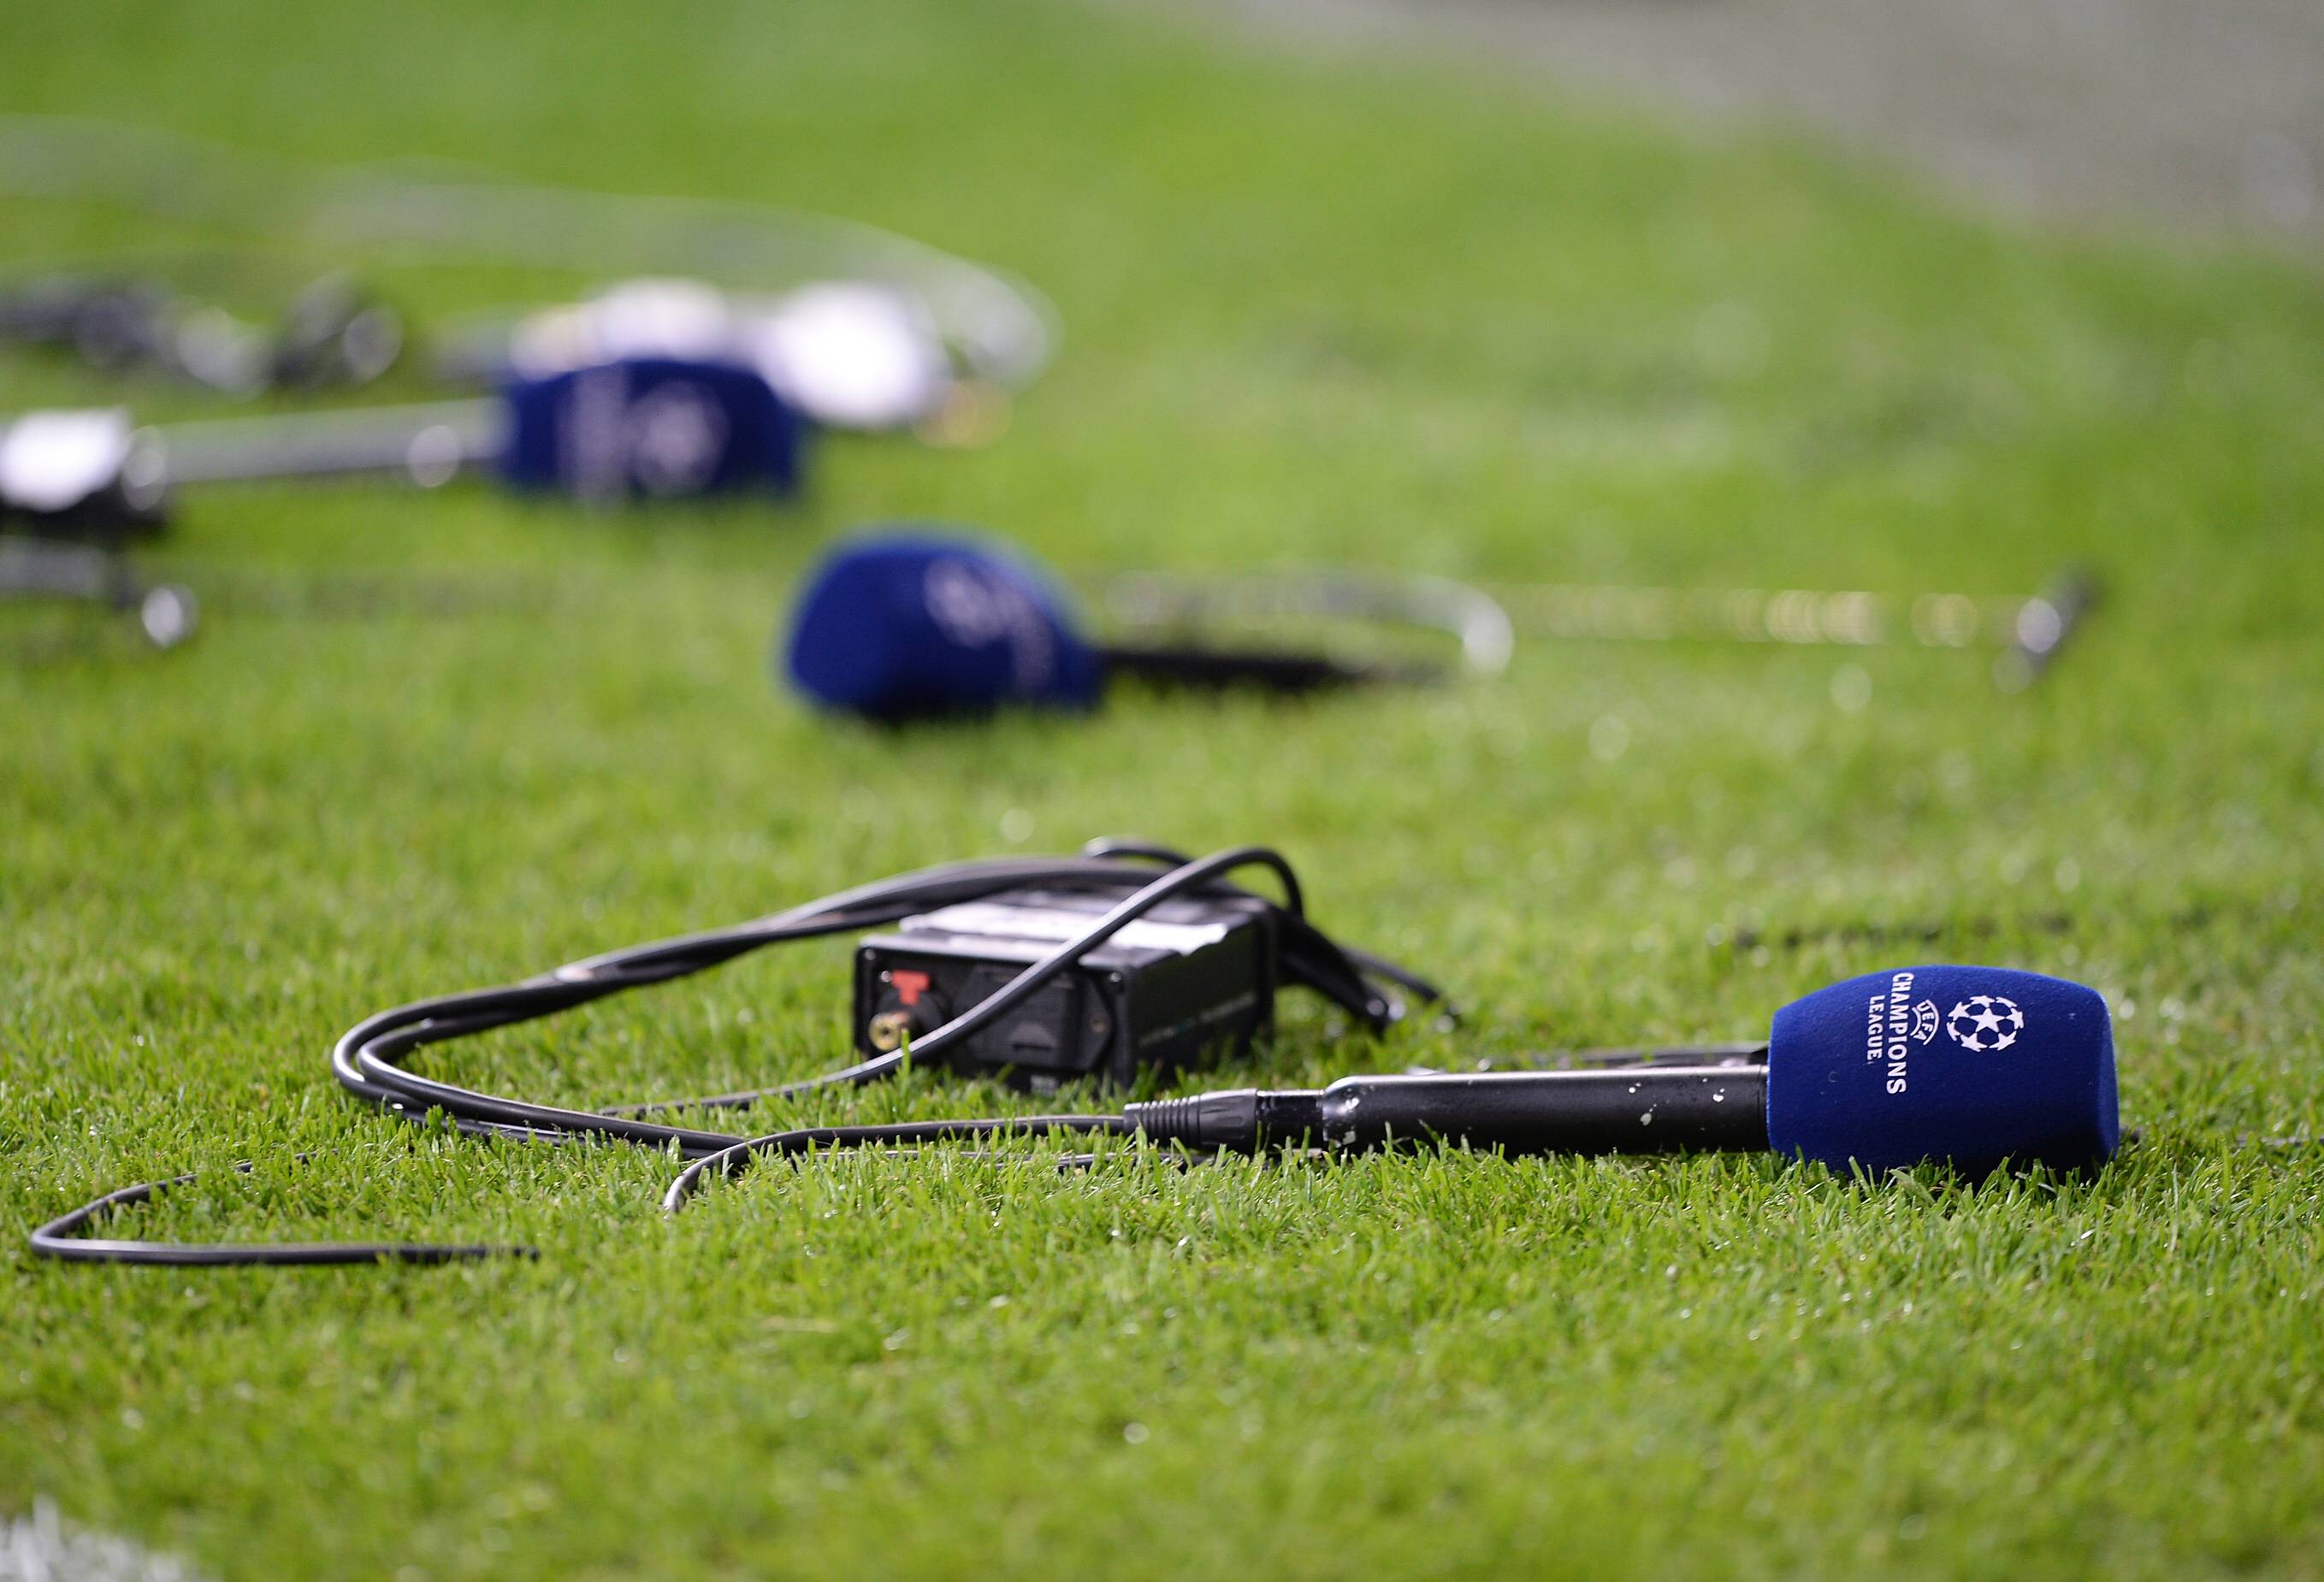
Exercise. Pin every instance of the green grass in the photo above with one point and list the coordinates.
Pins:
(1354, 310)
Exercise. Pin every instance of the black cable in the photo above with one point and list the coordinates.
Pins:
(60, 1238)
(366, 1059)
(1310, 958)
(730, 1162)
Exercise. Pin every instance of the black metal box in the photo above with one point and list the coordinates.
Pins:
(1192, 982)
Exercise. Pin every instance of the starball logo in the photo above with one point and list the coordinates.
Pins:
(1985, 1022)
(1893, 1021)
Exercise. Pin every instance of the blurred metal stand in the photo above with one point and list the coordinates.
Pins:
(2041, 628)
(1473, 619)
(2033, 629)
(98, 574)
(429, 443)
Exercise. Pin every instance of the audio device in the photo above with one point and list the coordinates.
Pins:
(1131, 962)
(649, 427)
(1190, 982)
(906, 623)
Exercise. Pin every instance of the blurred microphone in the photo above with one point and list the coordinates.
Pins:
(648, 428)
(905, 624)
(1970, 1066)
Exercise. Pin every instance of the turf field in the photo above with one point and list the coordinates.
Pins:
(1361, 311)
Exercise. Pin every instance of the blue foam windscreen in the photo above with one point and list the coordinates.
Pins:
(909, 623)
(1971, 1064)
(651, 427)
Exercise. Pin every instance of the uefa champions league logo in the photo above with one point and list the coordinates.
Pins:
(668, 439)
(677, 435)
(976, 610)
(1985, 1022)
(966, 607)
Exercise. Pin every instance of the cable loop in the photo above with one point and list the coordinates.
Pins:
(366, 1059)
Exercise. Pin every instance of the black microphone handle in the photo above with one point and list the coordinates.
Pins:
(1270, 670)
(1645, 1109)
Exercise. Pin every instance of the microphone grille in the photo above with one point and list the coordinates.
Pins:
(908, 623)
(1973, 1065)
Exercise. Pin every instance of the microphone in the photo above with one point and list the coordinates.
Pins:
(635, 427)
(908, 623)
(1970, 1066)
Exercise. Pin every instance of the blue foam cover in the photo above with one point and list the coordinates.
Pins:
(653, 428)
(907, 624)
(1974, 1065)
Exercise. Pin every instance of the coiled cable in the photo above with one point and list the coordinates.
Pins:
(367, 1059)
